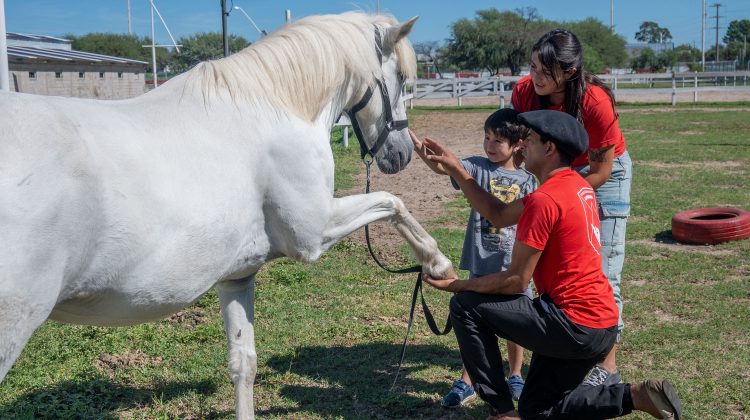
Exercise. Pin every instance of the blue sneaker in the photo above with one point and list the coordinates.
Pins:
(461, 394)
(515, 385)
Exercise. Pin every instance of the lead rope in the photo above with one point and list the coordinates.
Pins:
(417, 290)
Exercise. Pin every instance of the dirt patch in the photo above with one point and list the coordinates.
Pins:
(739, 95)
(110, 363)
(676, 246)
(709, 164)
(189, 317)
(424, 192)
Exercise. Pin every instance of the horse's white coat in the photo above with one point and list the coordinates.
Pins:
(122, 212)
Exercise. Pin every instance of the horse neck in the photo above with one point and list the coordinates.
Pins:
(310, 87)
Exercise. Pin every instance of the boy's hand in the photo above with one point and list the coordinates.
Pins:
(423, 152)
(443, 157)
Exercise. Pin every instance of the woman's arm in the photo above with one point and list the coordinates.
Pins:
(600, 162)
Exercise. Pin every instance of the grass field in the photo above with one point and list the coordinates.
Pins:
(329, 333)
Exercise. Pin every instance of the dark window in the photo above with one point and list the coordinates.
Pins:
(119, 75)
(81, 75)
(58, 75)
(101, 75)
(32, 75)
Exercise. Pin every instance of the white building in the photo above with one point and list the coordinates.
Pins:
(46, 65)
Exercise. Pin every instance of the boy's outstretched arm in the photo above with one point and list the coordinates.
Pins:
(498, 213)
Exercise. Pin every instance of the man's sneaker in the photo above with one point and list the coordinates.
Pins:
(515, 385)
(461, 394)
(600, 376)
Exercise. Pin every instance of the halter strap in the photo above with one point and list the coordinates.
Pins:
(390, 123)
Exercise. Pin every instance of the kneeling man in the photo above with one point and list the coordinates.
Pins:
(572, 325)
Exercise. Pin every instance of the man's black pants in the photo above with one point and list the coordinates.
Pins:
(563, 353)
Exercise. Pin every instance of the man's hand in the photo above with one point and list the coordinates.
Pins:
(447, 285)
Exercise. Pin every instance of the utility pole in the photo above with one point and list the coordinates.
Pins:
(717, 5)
(4, 72)
(224, 34)
(153, 48)
(703, 35)
(130, 21)
(612, 16)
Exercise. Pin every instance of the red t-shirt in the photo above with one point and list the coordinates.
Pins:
(599, 117)
(561, 219)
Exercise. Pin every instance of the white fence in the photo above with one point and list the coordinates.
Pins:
(622, 85)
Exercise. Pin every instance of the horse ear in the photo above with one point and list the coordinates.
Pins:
(397, 32)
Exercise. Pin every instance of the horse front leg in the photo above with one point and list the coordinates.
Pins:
(237, 299)
(353, 212)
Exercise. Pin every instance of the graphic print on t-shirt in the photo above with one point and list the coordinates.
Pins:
(588, 201)
(495, 239)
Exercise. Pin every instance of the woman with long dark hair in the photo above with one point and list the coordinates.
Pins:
(558, 81)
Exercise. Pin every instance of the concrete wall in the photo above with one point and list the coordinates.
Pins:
(112, 82)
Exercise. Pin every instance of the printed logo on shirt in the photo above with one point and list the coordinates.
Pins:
(588, 201)
(506, 191)
(499, 239)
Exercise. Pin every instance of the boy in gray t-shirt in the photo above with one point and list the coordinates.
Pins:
(487, 249)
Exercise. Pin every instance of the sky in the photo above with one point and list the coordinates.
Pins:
(186, 17)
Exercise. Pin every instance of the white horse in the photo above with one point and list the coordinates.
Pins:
(122, 212)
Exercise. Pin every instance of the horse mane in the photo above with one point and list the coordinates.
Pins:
(298, 67)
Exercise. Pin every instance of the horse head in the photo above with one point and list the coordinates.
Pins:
(379, 116)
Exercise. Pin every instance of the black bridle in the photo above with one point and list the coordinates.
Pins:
(389, 126)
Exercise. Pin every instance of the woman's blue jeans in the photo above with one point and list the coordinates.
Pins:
(614, 208)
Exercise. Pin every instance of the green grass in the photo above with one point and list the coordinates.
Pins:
(329, 333)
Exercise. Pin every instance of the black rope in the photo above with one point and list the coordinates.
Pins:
(417, 290)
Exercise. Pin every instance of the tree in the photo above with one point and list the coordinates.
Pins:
(687, 53)
(737, 31)
(649, 61)
(495, 39)
(432, 51)
(204, 46)
(601, 48)
(736, 37)
(652, 33)
(119, 45)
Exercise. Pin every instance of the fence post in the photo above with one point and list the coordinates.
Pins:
(345, 130)
(413, 94)
(674, 90)
(695, 85)
(502, 95)
(458, 92)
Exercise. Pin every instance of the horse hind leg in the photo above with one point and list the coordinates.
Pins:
(237, 299)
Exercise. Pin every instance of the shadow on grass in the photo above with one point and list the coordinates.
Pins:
(665, 237)
(97, 398)
(355, 382)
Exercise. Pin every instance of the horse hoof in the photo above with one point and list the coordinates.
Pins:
(440, 268)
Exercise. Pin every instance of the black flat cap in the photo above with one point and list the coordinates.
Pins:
(560, 128)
